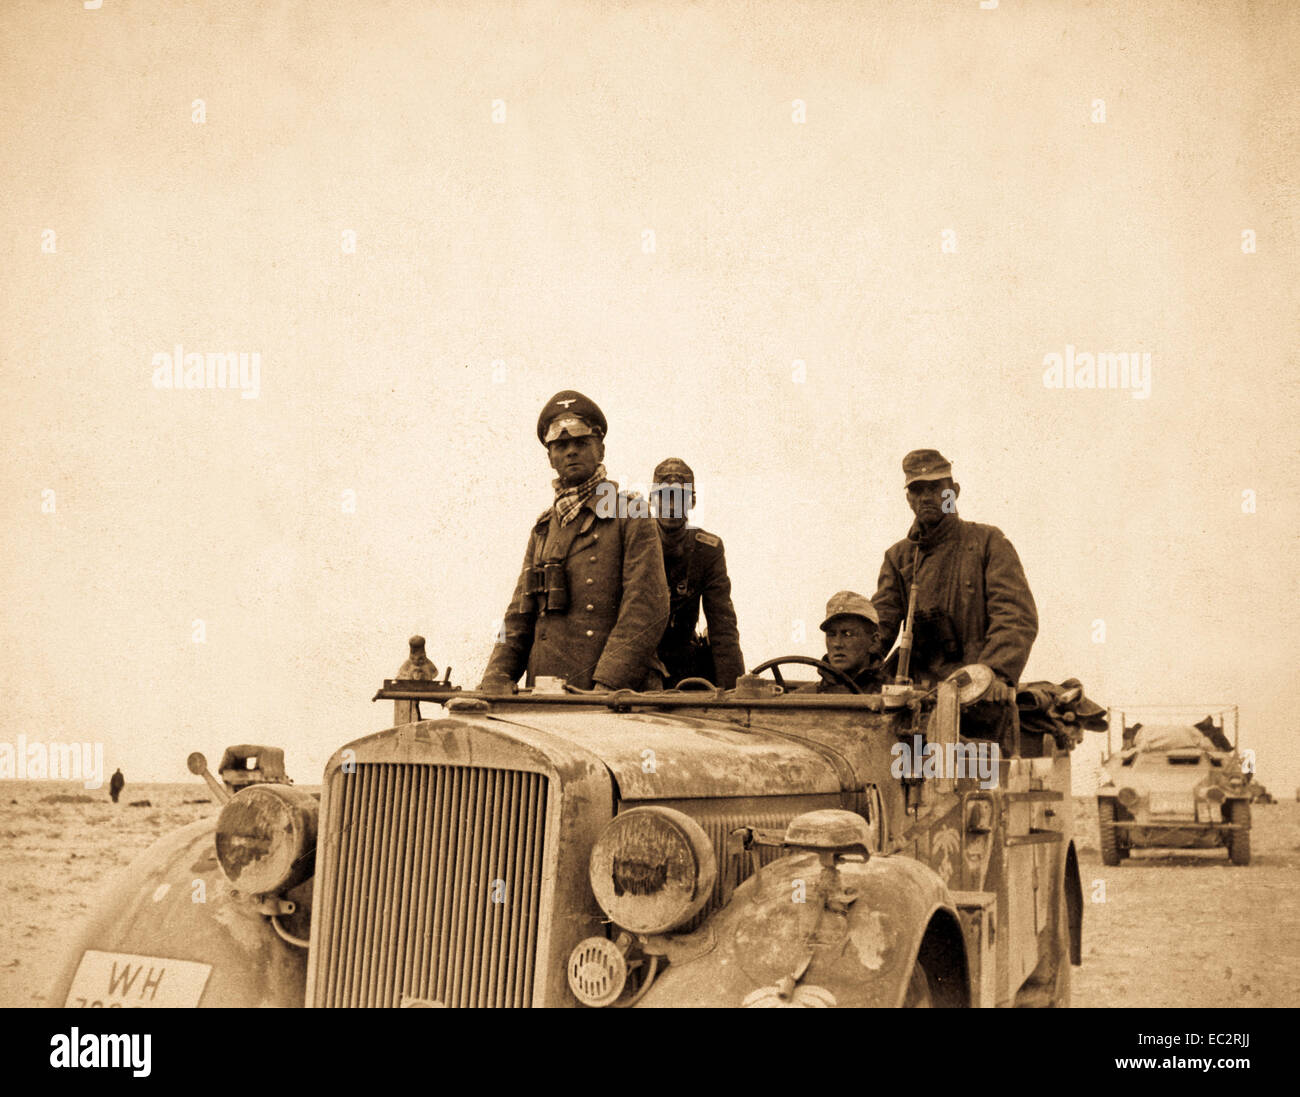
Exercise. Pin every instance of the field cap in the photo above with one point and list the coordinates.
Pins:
(570, 413)
(673, 470)
(850, 604)
(926, 464)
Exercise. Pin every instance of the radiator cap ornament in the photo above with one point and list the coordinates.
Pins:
(418, 667)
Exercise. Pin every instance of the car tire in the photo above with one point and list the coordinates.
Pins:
(1109, 840)
(918, 989)
(1239, 840)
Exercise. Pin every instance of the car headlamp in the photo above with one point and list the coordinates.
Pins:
(652, 869)
(266, 838)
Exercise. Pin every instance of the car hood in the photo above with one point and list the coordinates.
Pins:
(658, 757)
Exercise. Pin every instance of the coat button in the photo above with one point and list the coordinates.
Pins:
(590, 606)
(595, 536)
(590, 581)
(593, 560)
(590, 633)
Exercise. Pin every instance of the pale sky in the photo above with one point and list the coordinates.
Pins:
(523, 243)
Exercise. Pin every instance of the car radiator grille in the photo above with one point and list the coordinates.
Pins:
(433, 887)
(718, 825)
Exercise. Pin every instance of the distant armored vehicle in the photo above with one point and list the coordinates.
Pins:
(1177, 785)
(760, 846)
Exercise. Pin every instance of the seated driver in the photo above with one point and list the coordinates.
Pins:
(851, 643)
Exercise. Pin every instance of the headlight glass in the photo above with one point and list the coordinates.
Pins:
(652, 869)
(266, 838)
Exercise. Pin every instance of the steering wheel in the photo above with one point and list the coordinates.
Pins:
(805, 661)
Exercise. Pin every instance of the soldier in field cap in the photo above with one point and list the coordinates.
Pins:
(851, 642)
(591, 602)
(696, 569)
(973, 604)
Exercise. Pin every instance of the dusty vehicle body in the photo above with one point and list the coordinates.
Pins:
(1179, 797)
(756, 846)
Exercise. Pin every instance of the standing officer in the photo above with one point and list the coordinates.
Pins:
(973, 604)
(116, 783)
(591, 601)
(851, 642)
(697, 571)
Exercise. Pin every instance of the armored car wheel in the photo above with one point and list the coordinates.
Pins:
(805, 661)
(1109, 839)
(1239, 840)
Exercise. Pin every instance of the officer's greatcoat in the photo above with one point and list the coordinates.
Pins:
(698, 573)
(617, 595)
(972, 573)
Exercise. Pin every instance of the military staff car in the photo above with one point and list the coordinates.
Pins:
(1174, 784)
(761, 846)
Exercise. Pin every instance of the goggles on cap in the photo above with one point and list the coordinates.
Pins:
(567, 424)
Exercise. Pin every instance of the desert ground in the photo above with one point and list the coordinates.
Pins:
(1186, 928)
(1162, 929)
(61, 845)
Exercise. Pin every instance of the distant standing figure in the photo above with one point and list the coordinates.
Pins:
(115, 784)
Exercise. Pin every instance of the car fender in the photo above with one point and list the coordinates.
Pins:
(174, 903)
(788, 937)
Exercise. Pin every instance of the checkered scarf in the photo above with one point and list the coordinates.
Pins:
(568, 501)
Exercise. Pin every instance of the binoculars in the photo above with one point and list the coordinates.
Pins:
(546, 588)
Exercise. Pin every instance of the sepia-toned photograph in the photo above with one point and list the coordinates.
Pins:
(578, 504)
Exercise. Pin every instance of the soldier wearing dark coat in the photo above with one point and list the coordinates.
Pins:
(115, 784)
(973, 604)
(592, 601)
(696, 566)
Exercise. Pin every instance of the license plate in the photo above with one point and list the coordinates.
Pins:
(119, 979)
(1173, 805)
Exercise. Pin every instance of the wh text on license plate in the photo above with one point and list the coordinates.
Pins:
(116, 979)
